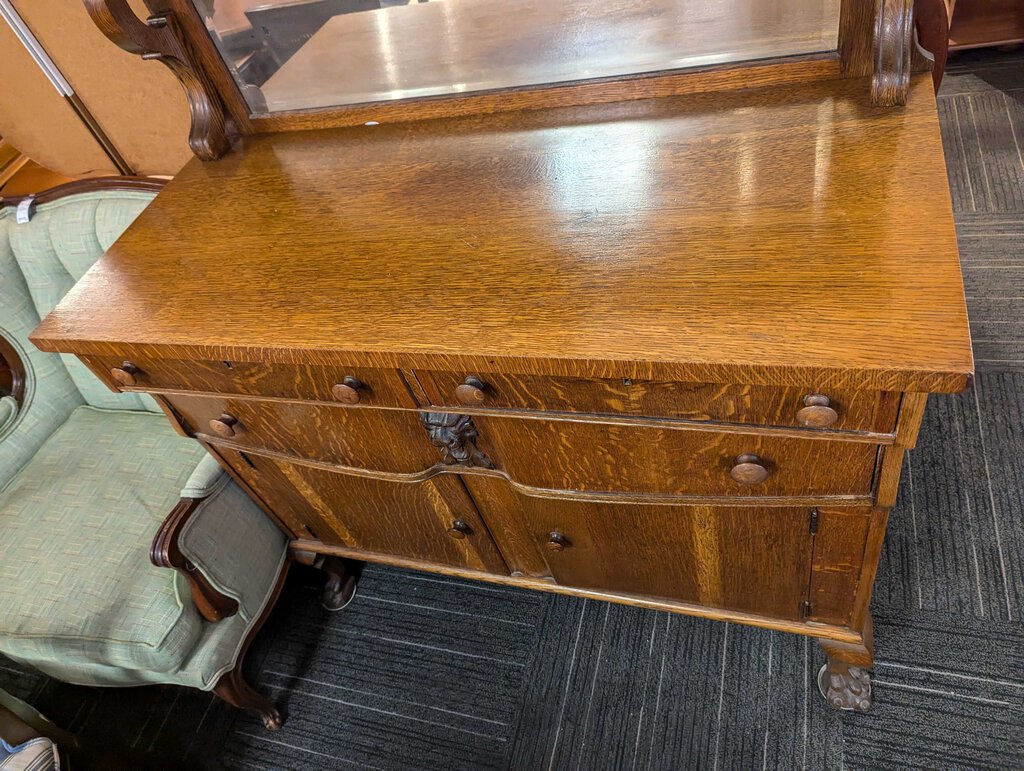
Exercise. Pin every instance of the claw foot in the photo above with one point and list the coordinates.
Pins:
(272, 721)
(339, 591)
(845, 686)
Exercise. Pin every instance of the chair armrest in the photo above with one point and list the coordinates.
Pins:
(205, 479)
(165, 552)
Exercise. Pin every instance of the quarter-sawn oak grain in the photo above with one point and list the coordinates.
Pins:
(667, 352)
(768, 236)
(857, 410)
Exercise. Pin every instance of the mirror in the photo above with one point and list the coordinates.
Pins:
(306, 54)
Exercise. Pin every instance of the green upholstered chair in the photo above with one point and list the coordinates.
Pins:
(92, 482)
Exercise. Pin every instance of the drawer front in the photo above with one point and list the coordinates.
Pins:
(761, 405)
(392, 441)
(433, 521)
(558, 455)
(751, 559)
(343, 385)
(596, 457)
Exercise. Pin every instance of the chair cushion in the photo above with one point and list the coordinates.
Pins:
(76, 523)
(206, 479)
(55, 249)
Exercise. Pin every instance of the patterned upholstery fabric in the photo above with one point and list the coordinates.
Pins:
(82, 601)
(8, 413)
(83, 490)
(230, 516)
(50, 393)
(34, 755)
(79, 519)
(55, 249)
(205, 480)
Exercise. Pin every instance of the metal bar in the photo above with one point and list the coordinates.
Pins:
(34, 48)
(42, 59)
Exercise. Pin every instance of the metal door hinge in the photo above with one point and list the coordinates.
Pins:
(805, 609)
(813, 523)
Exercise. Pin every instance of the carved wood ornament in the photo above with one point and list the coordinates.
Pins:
(455, 435)
(160, 37)
(893, 45)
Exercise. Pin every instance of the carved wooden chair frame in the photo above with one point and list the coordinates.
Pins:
(886, 40)
(12, 372)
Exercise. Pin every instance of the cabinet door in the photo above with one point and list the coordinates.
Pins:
(433, 521)
(753, 559)
(838, 566)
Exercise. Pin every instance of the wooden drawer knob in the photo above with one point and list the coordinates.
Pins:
(749, 470)
(226, 425)
(125, 374)
(816, 412)
(557, 541)
(348, 390)
(471, 393)
(459, 529)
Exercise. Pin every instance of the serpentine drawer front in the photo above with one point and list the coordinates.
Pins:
(387, 441)
(594, 457)
(809, 407)
(556, 455)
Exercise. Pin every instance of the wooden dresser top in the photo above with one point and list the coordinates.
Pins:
(783, 235)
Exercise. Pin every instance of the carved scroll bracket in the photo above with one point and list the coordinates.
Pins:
(893, 46)
(455, 435)
(161, 37)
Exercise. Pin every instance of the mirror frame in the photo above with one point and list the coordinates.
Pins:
(884, 40)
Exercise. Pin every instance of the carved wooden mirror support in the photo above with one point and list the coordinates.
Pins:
(909, 36)
(161, 37)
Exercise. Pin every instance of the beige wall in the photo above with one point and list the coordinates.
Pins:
(139, 104)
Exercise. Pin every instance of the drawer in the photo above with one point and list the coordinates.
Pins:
(391, 441)
(343, 385)
(576, 455)
(565, 455)
(810, 407)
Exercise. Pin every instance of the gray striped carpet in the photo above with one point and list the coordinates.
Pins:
(424, 672)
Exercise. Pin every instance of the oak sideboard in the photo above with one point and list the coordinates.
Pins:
(660, 340)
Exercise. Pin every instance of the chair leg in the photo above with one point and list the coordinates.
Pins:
(233, 689)
(342, 579)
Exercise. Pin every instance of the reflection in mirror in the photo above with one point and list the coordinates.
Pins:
(304, 54)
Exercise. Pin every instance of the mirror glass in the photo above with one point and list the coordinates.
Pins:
(304, 54)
